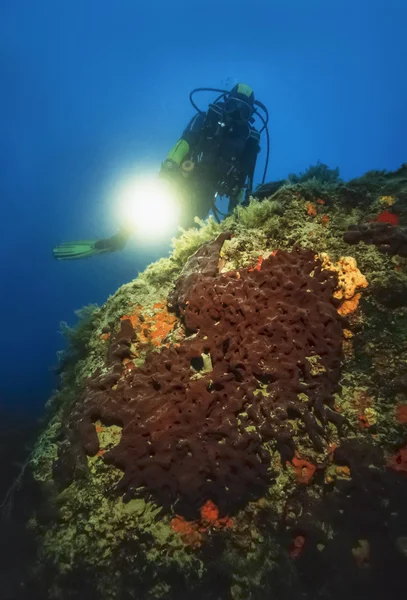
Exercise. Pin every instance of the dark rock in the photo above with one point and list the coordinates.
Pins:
(203, 263)
(71, 462)
(388, 238)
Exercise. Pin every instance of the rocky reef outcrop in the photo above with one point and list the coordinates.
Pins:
(234, 425)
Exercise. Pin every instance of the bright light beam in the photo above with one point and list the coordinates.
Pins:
(149, 208)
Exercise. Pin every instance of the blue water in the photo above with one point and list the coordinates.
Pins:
(94, 89)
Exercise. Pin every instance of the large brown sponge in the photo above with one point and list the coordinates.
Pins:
(260, 364)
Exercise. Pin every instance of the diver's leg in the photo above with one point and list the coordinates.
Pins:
(197, 202)
(87, 248)
(235, 200)
(115, 242)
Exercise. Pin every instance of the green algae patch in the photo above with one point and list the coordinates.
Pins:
(316, 367)
(94, 531)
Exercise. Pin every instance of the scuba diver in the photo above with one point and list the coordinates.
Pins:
(215, 156)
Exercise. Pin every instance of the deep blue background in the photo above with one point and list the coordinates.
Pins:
(90, 89)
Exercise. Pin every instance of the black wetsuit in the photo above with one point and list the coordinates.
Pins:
(225, 150)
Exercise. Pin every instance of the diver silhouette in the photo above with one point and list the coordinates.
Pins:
(215, 156)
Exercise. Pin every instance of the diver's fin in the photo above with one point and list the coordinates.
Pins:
(72, 250)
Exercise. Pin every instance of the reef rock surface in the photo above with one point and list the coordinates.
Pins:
(232, 424)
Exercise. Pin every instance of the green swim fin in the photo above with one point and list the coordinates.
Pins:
(80, 249)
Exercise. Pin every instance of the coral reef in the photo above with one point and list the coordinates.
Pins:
(232, 423)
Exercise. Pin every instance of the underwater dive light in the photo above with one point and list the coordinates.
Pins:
(149, 208)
